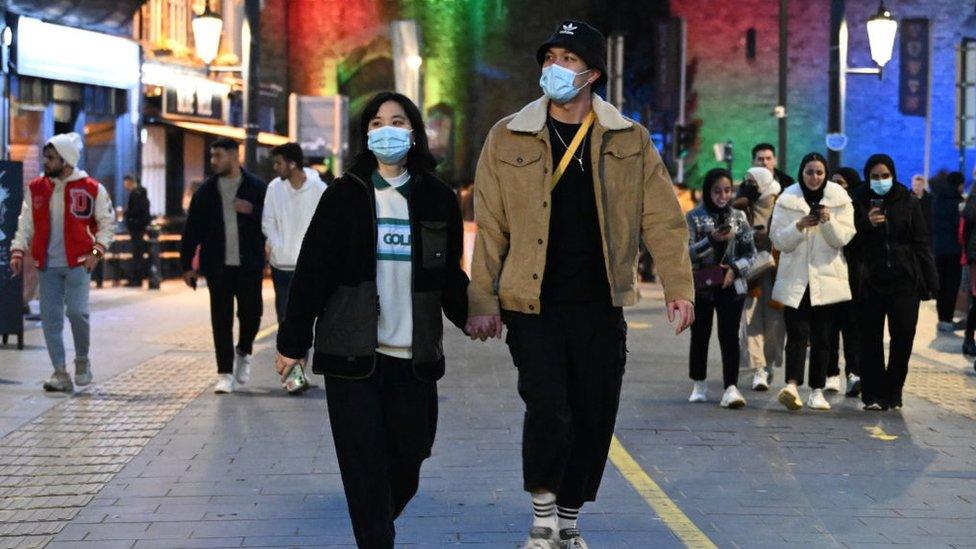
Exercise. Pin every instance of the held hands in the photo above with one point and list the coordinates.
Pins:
(484, 327)
(242, 206)
(685, 309)
(807, 221)
(876, 217)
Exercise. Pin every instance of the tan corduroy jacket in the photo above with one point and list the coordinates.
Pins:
(635, 198)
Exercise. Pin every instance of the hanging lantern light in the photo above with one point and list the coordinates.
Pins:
(206, 34)
(881, 35)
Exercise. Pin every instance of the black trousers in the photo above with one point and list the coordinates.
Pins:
(880, 384)
(230, 284)
(383, 427)
(570, 362)
(727, 305)
(139, 248)
(950, 274)
(808, 325)
(845, 324)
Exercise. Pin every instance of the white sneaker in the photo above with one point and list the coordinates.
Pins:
(242, 368)
(790, 397)
(853, 385)
(542, 538)
(760, 380)
(733, 398)
(225, 384)
(83, 373)
(699, 392)
(817, 400)
(833, 384)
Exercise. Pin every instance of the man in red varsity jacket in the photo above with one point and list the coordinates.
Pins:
(66, 224)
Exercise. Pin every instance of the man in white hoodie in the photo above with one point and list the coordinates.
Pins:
(62, 211)
(288, 207)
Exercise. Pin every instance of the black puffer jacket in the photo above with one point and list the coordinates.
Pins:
(894, 256)
(334, 287)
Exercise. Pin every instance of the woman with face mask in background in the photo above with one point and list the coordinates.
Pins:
(896, 270)
(721, 242)
(380, 263)
(812, 222)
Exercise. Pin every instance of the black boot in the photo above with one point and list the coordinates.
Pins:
(969, 347)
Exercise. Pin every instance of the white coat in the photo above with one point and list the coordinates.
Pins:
(812, 257)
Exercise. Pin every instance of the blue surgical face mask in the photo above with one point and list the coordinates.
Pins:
(390, 145)
(557, 83)
(881, 186)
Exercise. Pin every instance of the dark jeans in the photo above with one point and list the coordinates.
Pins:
(808, 325)
(845, 324)
(570, 362)
(950, 273)
(901, 310)
(139, 248)
(728, 306)
(383, 427)
(282, 283)
(224, 287)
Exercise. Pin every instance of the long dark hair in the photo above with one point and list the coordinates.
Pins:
(419, 158)
(711, 178)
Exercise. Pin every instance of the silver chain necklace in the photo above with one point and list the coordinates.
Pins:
(582, 145)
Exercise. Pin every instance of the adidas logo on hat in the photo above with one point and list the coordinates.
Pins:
(569, 29)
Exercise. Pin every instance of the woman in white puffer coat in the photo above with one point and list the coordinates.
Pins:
(812, 222)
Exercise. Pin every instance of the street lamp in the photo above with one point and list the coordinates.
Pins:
(882, 29)
(206, 34)
(881, 35)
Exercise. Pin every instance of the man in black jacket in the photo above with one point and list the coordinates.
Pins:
(764, 156)
(137, 218)
(223, 226)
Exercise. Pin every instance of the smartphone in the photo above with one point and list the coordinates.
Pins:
(724, 228)
(759, 228)
(877, 203)
(815, 209)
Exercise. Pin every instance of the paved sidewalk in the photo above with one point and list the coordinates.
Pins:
(257, 468)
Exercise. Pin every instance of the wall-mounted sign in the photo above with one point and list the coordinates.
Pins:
(194, 99)
(913, 88)
(319, 124)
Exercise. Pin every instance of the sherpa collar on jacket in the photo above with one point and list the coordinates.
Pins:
(532, 118)
(834, 196)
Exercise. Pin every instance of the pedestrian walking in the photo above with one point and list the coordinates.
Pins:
(812, 223)
(289, 203)
(66, 223)
(896, 270)
(137, 219)
(845, 317)
(947, 199)
(224, 222)
(762, 333)
(920, 189)
(968, 257)
(764, 155)
(380, 262)
(564, 189)
(722, 251)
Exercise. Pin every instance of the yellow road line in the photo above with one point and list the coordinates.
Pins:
(879, 433)
(668, 510)
(266, 332)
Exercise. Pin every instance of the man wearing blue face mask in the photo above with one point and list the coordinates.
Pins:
(564, 189)
(896, 271)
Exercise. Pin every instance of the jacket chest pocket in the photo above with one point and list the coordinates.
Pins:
(433, 238)
(520, 172)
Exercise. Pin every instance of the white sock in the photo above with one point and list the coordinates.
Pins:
(544, 510)
(568, 517)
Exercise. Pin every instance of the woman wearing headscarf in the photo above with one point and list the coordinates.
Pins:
(812, 222)
(895, 270)
(762, 333)
(845, 320)
(721, 243)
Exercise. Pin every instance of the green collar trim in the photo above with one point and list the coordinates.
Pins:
(379, 183)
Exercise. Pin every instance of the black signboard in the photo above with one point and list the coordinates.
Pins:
(193, 102)
(11, 288)
(913, 89)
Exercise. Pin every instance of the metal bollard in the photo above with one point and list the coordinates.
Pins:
(155, 267)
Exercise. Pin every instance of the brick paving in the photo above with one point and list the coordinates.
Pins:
(170, 466)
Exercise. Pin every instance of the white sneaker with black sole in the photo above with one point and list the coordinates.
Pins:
(760, 380)
(833, 384)
(732, 398)
(225, 384)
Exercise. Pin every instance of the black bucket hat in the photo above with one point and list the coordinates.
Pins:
(581, 39)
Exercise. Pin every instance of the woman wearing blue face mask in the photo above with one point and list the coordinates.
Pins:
(896, 270)
(380, 263)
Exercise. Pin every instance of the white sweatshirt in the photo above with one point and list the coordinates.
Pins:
(394, 270)
(287, 214)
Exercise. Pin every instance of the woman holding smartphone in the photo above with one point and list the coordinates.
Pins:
(896, 269)
(380, 262)
(722, 250)
(812, 222)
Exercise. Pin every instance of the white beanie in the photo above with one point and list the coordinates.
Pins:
(765, 181)
(69, 146)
